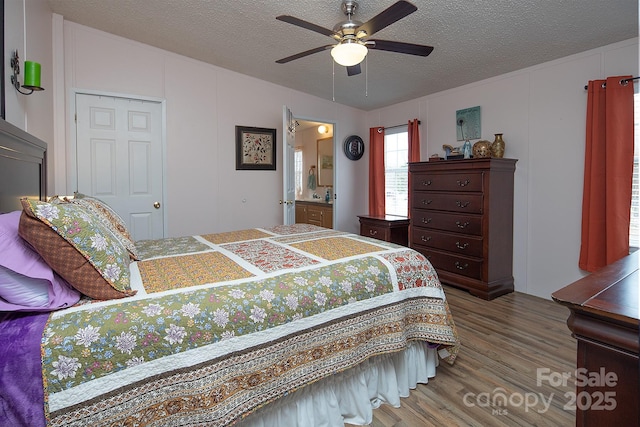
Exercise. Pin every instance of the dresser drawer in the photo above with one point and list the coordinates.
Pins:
(466, 181)
(369, 230)
(469, 267)
(390, 228)
(458, 223)
(465, 203)
(457, 243)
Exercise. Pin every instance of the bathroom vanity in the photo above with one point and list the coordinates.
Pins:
(317, 213)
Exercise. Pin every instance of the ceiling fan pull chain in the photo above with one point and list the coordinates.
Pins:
(366, 77)
(333, 76)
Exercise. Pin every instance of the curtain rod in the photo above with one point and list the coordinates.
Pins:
(397, 126)
(622, 82)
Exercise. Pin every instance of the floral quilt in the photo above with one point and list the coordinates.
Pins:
(222, 324)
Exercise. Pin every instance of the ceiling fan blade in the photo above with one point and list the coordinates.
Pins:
(354, 70)
(400, 47)
(393, 13)
(308, 25)
(303, 54)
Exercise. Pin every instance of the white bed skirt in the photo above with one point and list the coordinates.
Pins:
(351, 397)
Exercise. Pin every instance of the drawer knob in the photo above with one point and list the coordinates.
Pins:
(462, 204)
(425, 239)
(461, 266)
(426, 202)
(426, 220)
(462, 246)
(462, 225)
(427, 182)
(373, 232)
(463, 183)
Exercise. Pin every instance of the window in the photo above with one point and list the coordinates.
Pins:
(396, 171)
(634, 228)
(297, 165)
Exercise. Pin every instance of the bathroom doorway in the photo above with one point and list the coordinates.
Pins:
(314, 172)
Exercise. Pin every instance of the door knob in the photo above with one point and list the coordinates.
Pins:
(156, 205)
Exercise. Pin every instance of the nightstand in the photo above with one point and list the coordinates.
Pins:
(390, 228)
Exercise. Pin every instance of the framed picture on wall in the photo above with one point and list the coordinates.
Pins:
(468, 123)
(255, 148)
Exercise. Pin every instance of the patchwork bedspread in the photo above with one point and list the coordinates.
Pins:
(223, 324)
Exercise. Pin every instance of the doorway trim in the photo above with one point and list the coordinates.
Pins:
(336, 149)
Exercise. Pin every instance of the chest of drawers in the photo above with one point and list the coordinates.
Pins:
(462, 221)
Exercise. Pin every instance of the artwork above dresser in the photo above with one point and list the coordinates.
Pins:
(462, 221)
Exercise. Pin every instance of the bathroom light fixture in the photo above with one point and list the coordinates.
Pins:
(31, 75)
(348, 53)
(323, 129)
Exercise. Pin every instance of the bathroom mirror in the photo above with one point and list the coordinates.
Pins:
(325, 161)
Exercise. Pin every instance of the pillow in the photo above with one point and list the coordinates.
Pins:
(109, 218)
(27, 283)
(23, 290)
(78, 247)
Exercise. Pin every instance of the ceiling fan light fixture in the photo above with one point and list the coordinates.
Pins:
(349, 53)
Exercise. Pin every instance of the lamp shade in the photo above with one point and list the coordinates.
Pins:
(349, 53)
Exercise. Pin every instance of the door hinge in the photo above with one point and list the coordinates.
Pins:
(75, 117)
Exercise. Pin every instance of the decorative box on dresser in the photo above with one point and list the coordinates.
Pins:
(462, 221)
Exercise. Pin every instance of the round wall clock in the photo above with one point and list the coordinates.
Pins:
(353, 147)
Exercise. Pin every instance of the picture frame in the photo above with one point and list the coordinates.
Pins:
(468, 124)
(255, 148)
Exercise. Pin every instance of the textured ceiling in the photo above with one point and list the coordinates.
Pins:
(473, 39)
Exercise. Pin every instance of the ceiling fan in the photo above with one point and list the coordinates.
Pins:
(353, 36)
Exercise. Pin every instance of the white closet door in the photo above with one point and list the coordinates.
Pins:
(119, 158)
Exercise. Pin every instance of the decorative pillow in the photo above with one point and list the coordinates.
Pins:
(27, 283)
(78, 247)
(109, 218)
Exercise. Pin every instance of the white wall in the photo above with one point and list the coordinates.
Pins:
(204, 103)
(28, 30)
(541, 111)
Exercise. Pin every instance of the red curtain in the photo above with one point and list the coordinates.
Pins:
(414, 140)
(376, 171)
(414, 151)
(608, 173)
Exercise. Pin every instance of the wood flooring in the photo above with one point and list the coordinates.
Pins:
(504, 343)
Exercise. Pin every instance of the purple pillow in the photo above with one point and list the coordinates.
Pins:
(15, 289)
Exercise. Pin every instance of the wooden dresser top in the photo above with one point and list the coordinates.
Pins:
(611, 292)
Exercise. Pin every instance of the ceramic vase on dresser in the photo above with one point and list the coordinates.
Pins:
(497, 146)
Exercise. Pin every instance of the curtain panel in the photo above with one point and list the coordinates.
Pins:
(376, 171)
(414, 152)
(608, 173)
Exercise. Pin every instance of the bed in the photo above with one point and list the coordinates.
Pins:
(282, 325)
